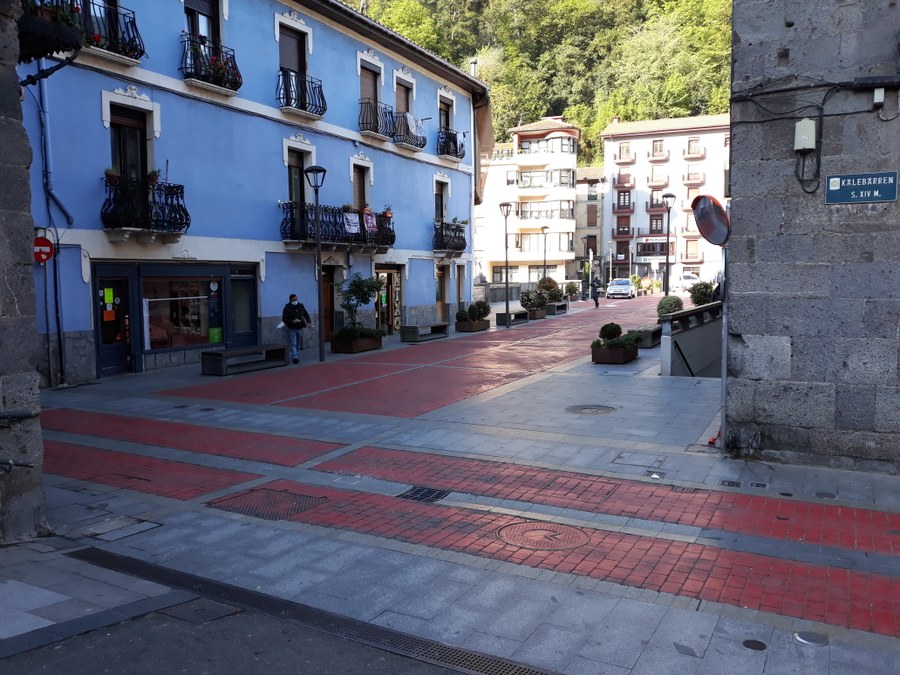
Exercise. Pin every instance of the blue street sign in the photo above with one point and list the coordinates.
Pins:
(858, 188)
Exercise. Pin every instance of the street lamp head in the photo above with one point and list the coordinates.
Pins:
(669, 200)
(504, 208)
(545, 229)
(315, 176)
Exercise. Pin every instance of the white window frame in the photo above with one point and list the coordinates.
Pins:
(300, 144)
(403, 76)
(295, 22)
(130, 98)
(373, 63)
(441, 177)
(448, 96)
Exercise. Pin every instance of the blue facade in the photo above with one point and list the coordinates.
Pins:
(230, 102)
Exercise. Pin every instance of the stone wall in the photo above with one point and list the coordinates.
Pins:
(21, 497)
(814, 289)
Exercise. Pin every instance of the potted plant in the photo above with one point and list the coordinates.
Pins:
(354, 337)
(571, 290)
(153, 176)
(669, 305)
(613, 347)
(348, 208)
(535, 302)
(475, 319)
(388, 212)
(111, 175)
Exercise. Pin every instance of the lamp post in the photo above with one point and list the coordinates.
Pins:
(315, 176)
(587, 261)
(669, 201)
(504, 209)
(610, 261)
(544, 230)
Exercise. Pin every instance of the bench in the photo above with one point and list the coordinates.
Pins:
(520, 316)
(557, 307)
(431, 331)
(242, 359)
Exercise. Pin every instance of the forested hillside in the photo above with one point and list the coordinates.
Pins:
(585, 59)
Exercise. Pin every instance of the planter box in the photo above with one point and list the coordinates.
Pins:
(354, 345)
(650, 336)
(557, 307)
(617, 356)
(537, 314)
(472, 326)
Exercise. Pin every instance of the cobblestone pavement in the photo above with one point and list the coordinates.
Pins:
(494, 492)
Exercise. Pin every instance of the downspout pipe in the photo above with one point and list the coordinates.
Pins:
(48, 157)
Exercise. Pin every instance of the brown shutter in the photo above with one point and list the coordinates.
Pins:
(290, 45)
(592, 215)
(359, 186)
(403, 97)
(368, 84)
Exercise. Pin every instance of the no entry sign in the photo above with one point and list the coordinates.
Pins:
(43, 249)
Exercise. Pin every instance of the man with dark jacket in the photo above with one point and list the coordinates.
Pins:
(295, 319)
(595, 290)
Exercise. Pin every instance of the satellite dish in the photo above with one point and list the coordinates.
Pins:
(712, 221)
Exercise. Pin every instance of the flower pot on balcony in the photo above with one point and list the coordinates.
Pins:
(614, 355)
(472, 326)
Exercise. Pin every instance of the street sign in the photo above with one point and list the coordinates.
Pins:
(861, 188)
(43, 249)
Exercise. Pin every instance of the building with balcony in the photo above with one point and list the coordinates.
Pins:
(536, 174)
(174, 189)
(591, 189)
(684, 157)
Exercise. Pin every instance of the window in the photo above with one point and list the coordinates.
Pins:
(624, 150)
(128, 131)
(182, 311)
(623, 199)
(656, 225)
(592, 192)
(368, 85)
(692, 194)
(511, 177)
(292, 60)
(535, 272)
(592, 215)
(296, 178)
(658, 149)
(445, 114)
(694, 147)
(360, 186)
(202, 18)
(568, 144)
(440, 201)
(655, 248)
(691, 250)
(623, 225)
(656, 198)
(658, 175)
(403, 98)
(500, 274)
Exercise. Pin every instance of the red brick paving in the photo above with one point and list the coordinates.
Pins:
(281, 450)
(810, 523)
(165, 478)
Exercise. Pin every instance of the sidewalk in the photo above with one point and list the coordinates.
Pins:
(494, 492)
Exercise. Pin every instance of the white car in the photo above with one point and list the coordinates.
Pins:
(620, 288)
(683, 282)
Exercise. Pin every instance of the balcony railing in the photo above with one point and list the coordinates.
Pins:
(690, 232)
(139, 204)
(623, 209)
(408, 131)
(623, 181)
(655, 207)
(691, 257)
(662, 156)
(351, 230)
(449, 237)
(695, 153)
(657, 182)
(622, 233)
(694, 179)
(48, 27)
(452, 145)
(208, 61)
(300, 93)
(376, 118)
(112, 28)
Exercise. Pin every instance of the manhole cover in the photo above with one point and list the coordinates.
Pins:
(809, 638)
(267, 504)
(542, 536)
(755, 645)
(590, 409)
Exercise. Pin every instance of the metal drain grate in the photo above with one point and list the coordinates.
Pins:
(423, 649)
(590, 409)
(687, 490)
(730, 483)
(267, 504)
(424, 494)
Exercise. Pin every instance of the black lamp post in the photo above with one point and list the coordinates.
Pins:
(504, 209)
(315, 176)
(544, 230)
(669, 201)
(587, 264)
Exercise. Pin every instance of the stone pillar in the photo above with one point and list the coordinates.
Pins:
(21, 496)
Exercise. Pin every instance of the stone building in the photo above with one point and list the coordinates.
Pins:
(814, 255)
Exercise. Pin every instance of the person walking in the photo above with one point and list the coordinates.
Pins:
(295, 319)
(595, 291)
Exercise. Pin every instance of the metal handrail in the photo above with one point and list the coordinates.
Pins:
(301, 92)
(138, 203)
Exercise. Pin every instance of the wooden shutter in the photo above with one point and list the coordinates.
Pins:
(291, 50)
(368, 84)
(359, 186)
(403, 98)
(592, 215)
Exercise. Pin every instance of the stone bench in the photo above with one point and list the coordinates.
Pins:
(520, 316)
(242, 359)
(557, 307)
(431, 331)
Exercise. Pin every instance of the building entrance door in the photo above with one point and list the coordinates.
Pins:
(114, 326)
(326, 312)
(243, 312)
(387, 304)
(440, 293)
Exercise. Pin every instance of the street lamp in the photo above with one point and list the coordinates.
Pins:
(587, 261)
(544, 230)
(669, 201)
(610, 262)
(504, 209)
(315, 176)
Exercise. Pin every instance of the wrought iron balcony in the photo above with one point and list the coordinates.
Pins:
(452, 145)
(138, 204)
(208, 61)
(623, 181)
(113, 28)
(623, 209)
(376, 119)
(408, 131)
(49, 27)
(355, 231)
(301, 94)
(449, 238)
(622, 233)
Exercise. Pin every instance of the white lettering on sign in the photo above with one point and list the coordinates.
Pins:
(872, 180)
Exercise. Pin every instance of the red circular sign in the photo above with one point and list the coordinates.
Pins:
(43, 249)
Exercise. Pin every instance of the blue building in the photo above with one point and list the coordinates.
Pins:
(172, 153)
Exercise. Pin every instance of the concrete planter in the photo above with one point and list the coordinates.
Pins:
(537, 313)
(650, 336)
(616, 356)
(472, 326)
(354, 345)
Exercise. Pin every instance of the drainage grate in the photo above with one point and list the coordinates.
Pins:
(424, 494)
(759, 485)
(267, 504)
(423, 649)
(590, 409)
(687, 490)
(730, 483)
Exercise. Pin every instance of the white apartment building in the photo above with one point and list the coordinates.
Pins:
(535, 174)
(648, 160)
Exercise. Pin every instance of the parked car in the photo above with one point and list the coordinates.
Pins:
(620, 288)
(683, 282)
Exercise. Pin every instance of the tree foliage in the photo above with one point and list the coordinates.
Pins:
(588, 60)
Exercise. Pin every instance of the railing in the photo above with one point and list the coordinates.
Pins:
(691, 257)
(376, 118)
(624, 159)
(657, 181)
(694, 153)
(408, 130)
(298, 223)
(692, 342)
(658, 156)
(107, 26)
(208, 61)
(48, 28)
(536, 212)
(623, 209)
(453, 144)
(655, 207)
(138, 203)
(694, 179)
(449, 237)
(300, 92)
(622, 233)
(623, 180)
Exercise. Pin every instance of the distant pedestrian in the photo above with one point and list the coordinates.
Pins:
(295, 319)
(595, 291)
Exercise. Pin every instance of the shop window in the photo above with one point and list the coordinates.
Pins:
(182, 311)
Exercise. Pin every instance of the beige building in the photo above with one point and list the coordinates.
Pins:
(535, 174)
(647, 160)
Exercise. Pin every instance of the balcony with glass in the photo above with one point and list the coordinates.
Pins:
(623, 181)
(342, 230)
(300, 95)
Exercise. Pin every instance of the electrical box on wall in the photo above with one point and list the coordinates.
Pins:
(805, 135)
